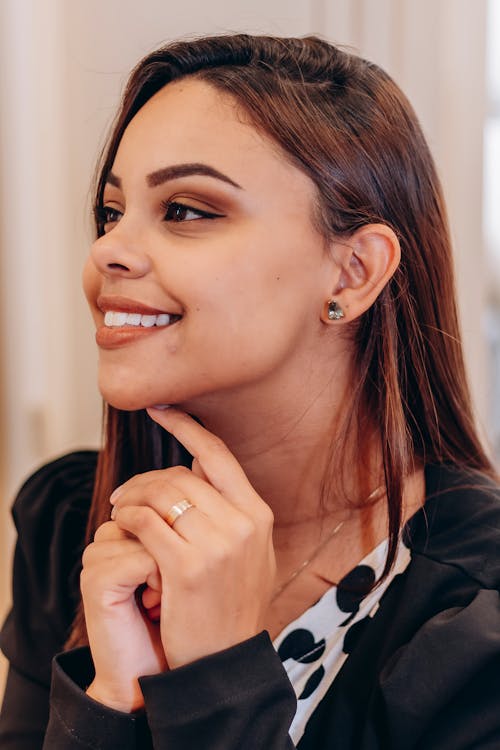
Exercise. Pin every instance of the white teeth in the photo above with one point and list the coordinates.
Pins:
(133, 319)
(117, 319)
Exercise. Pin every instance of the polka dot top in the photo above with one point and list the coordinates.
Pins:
(314, 647)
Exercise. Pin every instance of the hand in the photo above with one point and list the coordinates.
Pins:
(217, 564)
(123, 642)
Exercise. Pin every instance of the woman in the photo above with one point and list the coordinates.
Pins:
(303, 543)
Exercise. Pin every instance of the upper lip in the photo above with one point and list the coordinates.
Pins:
(116, 303)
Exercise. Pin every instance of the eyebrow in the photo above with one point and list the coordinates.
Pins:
(177, 171)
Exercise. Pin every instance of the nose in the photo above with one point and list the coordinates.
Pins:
(114, 254)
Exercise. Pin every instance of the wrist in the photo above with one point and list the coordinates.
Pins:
(115, 697)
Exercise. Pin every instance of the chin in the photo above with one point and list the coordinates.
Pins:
(133, 397)
(124, 402)
(134, 389)
(128, 398)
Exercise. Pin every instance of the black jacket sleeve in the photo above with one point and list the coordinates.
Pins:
(50, 514)
(77, 721)
(237, 699)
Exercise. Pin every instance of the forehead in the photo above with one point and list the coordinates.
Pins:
(191, 121)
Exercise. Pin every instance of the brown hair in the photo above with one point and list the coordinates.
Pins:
(344, 123)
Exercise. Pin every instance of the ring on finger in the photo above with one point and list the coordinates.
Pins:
(177, 510)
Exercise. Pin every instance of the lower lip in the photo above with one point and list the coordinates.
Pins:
(112, 338)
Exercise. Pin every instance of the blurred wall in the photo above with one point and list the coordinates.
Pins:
(62, 66)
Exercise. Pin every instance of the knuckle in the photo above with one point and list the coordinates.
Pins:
(136, 518)
(120, 489)
(86, 558)
(215, 447)
(265, 515)
(152, 484)
(87, 579)
(194, 573)
(83, 579)
(221, 554)
(136, 484)
(106, 531)
(143, 517)
(177, 472)
(244, 530)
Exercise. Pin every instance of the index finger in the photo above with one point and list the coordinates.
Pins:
(214, 457)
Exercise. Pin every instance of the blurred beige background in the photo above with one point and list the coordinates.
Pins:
(62, 67)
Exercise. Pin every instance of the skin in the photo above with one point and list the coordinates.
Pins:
(256, 359)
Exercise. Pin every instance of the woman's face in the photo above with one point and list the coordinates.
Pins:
(210, 277)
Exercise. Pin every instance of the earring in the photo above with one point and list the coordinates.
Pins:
(335, 312)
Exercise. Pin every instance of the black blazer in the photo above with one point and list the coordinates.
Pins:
(422, 674)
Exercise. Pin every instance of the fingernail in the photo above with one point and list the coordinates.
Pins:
(161, 406)
(113, 513)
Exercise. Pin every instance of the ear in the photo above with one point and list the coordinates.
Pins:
(367, 261)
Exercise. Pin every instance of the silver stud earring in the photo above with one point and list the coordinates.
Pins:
(335, 312)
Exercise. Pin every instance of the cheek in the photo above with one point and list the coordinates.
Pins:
(266, 287)
(250, 321)
(91, 282)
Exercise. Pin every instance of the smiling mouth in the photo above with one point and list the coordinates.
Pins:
(120, 319)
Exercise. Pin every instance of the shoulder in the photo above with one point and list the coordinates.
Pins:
(62, 483)
(436, 631)
(459, 525)
(50, 514)
(426, 660)
(54, 500)
(55, 495)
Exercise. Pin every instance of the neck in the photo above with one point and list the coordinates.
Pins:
(284, 445)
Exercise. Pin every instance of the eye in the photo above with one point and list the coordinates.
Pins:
(106, 216)
(179, 212)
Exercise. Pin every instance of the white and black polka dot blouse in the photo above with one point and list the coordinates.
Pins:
(314, 647)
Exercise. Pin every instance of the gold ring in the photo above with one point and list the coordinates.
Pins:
(177, 510)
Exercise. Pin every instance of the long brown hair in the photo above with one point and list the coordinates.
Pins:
(344, 123)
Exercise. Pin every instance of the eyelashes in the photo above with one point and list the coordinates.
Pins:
(107, 216)
(178, 212)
